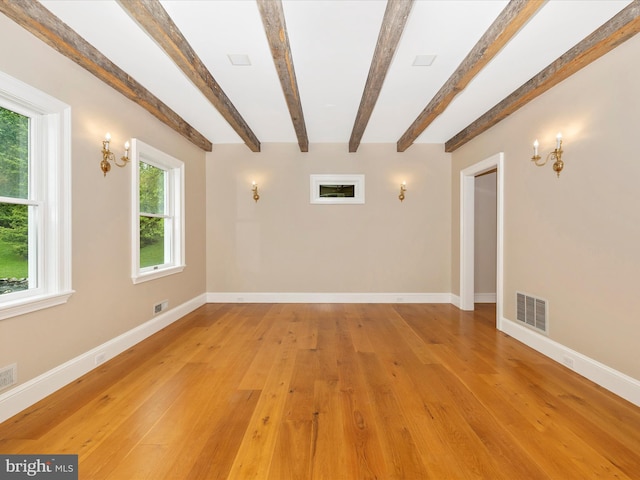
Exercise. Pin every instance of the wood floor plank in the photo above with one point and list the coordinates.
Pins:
(447, 426)
(327, 347)
(583, 397)
(520, 430)
(307, 328)
(299, 405)
(268, 341)
(141, 466)
(362, 438)
(589, 435)
(333, 391)
(181, 427)
(226, 430)
(113, 406)
(256, 450)
(400, 452)
(327, 440)
(503, 453)
(114, 442)
(563, 446)
(357, 331)
(536, 407)
(292, 454)
(424, 395)
(47, 414)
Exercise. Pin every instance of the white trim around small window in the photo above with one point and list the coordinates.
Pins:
(171, 215)
(336, 189)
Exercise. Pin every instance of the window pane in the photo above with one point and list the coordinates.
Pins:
(152, 189)
(14, 247)
(14, 154)
(152, 241)
(340, 191)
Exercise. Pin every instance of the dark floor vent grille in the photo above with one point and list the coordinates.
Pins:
(532, 311)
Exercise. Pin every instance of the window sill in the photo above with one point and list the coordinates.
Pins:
(32, 304)
(152, 275)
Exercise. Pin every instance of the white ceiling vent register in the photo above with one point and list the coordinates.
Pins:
(532, 312)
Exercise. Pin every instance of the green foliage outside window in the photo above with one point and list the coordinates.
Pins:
(152, 201)
(14, 154)
(14, 183)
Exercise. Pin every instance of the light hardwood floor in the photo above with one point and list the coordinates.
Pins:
(333, 392)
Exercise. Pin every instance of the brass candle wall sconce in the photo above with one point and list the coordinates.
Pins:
(403, 189)
(108, 156)
(555, 155)
(254, 189)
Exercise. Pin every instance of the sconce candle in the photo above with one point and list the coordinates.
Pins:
(108, 156)
(254, 189)
(558, 165)
(556, 155)
(403, 189)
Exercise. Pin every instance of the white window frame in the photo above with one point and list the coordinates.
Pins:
(316, 181)
(174, 210)
(49, 194)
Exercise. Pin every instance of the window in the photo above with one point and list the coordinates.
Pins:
(332, 189)
(35, 199)
(158, 219)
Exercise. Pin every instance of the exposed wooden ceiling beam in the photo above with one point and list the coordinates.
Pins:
(275, 27)
(39, 21)
(155, 20)
(611, 34)
(395, 18)
(510, 20)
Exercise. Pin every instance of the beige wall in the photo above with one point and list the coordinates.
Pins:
(285, 244)
(573, 240)
(106, 303)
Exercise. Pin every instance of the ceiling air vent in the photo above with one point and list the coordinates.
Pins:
(532, 312)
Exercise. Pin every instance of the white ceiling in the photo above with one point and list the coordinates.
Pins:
(332, 43)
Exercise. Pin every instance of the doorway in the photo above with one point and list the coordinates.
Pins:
(485, 231)
(467, 231)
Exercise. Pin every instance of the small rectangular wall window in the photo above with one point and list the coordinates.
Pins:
(158, 229)
(332, 189)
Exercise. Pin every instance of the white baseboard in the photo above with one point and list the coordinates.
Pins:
(484, 298)
(613, 380)
(455, 300)
(295, 297)
(28, 393)
(477, 298)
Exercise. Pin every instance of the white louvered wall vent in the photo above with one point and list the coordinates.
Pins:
(8, 376)
(532, 312)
